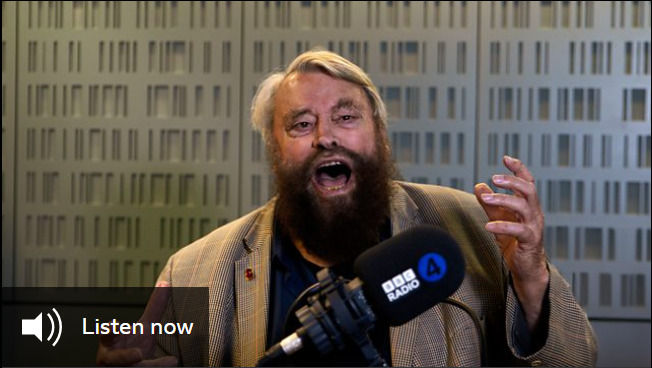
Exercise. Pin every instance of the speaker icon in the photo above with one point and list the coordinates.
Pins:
(35, 327)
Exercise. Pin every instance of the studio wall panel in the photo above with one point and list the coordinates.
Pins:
(127, 143)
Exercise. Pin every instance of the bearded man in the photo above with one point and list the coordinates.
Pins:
(324, 126)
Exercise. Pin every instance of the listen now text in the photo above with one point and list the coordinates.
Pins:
(135, 328)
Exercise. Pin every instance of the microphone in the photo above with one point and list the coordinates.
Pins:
(398, 279)
(410, 273)
(428, 266)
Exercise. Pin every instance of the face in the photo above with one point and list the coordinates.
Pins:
(332, 167)
(316, 113)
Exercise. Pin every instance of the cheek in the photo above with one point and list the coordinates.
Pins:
(294, 151)
(364, 142)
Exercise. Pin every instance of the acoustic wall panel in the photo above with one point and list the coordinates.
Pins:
(129, 122)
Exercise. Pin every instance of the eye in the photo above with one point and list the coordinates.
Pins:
(347, 119)
(300, 128)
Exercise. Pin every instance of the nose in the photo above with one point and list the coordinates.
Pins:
(325, 137)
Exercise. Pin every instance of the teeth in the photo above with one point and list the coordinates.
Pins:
(335, 188)
(332, 163)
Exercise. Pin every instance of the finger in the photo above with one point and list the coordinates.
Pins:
(517, 205)
(109, 340)
(492, 211)
(521, 232)
(529, 210)
(168, 361)
(157, 303)
(517, 185)
(518, 168)
(121, 357)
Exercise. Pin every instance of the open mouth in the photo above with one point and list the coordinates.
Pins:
(333, 175)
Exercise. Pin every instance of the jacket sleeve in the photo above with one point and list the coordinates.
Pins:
(569, 338)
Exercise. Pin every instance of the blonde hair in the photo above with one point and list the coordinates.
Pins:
(262, 106)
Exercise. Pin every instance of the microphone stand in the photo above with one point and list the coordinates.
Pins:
(478, 326)
(337, 310)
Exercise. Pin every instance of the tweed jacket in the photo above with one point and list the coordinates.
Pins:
(234, 263)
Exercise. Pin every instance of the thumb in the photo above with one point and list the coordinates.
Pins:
(493, 212)
(157, 303)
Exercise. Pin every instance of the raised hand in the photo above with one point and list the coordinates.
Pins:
(517, 222)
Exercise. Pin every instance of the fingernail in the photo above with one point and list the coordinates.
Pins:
(509, 159)
(490, 226)
(488, 197)
(162, 284)
(498, 179)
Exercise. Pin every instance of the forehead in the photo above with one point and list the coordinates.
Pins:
(316, 89)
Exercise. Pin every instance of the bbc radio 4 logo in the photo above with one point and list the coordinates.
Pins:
(400, 285)
(35, 327)
(431, 268)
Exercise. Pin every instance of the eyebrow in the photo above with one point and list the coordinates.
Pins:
(344, 103)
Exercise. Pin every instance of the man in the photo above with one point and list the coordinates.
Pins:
(324, 126)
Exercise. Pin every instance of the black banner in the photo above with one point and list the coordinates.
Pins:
(57, 327)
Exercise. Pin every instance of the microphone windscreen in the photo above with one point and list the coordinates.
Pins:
(409, 273)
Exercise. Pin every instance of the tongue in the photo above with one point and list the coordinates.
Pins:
(329, 181)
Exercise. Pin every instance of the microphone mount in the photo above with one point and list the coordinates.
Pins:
(335, 315)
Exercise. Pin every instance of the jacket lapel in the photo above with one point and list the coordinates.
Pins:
(404, 215)
(252, 292)
(402, 340)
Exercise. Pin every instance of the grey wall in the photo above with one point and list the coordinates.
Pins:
(125, 127)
